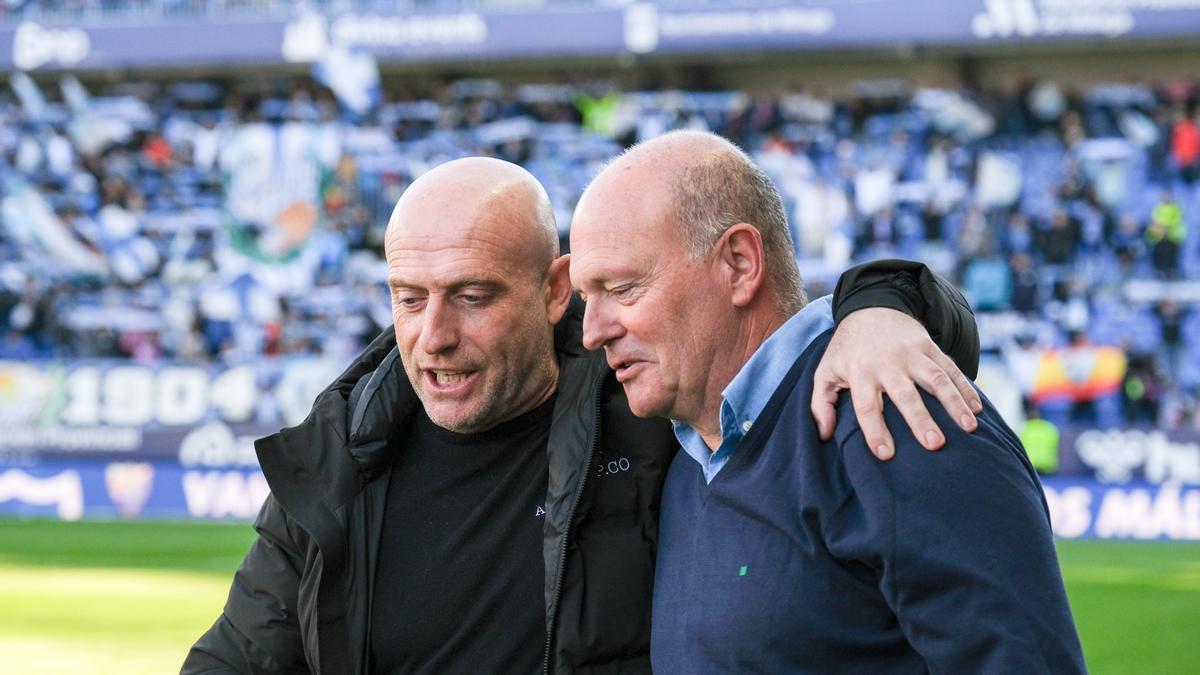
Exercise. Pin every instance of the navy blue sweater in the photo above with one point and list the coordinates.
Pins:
(812, 556)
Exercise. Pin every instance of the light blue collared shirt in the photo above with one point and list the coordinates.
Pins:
(747, 394)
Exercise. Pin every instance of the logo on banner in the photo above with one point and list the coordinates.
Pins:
(646, 24)
(310, 36)
(24, 391)
(64, 491)
(1168, 511)
(1023, 18)
(306, 38)
(641, 28)
(129, 485)
(35, 46)
(224, 494)
(215, 445)
(1114, 455)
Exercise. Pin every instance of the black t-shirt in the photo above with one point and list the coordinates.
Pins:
(458, 587)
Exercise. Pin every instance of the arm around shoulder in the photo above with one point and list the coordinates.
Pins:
(967, 558)
(914, 289)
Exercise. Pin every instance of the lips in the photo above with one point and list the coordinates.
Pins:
(448, 381)
(625, 368)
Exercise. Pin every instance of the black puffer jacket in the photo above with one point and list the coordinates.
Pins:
(301, 599)
(300, 602)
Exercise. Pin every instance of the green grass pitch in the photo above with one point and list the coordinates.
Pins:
(131, 597)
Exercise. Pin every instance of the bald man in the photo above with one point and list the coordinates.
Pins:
(472, 494)
(784, 548)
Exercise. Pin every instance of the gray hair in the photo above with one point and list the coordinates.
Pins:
(723, 189)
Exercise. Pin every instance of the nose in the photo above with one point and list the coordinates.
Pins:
(599, 325)
(439, 328)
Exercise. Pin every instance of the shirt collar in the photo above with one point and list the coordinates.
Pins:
(745, 397)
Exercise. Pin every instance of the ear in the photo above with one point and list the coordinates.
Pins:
(558, 289)
(740, 255)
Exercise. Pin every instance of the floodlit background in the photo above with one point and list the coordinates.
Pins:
(193, 196)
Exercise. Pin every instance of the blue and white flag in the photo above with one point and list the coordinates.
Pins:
(353, 76)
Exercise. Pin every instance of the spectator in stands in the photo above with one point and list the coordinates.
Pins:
(1171, 316)
(1129, 243)
(1185, 145)
(1025, 285)
(1017, 236)
(1058, 240)
(1040, 438)
(1165, 235)
(1142, 388)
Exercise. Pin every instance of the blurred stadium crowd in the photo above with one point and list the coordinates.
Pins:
(191, 221)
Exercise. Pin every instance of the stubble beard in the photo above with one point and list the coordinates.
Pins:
(522, 389)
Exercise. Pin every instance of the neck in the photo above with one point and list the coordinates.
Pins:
(543, 393)
(551, 384)
(752, 332)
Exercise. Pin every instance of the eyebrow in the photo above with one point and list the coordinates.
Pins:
(492, 285)
(608, 282)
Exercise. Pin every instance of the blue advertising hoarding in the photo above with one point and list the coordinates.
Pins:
(1083, 508)
(114, 439)
(130, 489)
(1080, 507)
(639, 28)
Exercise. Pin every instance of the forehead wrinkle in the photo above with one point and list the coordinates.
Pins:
(493, 220)
(431, 262)
(630, 216)
(609, 258)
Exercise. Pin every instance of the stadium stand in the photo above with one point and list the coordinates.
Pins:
(254, 221)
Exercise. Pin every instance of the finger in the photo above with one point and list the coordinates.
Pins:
(938, 382)
(961, 382)
(824, 411)
(824, 401)
(868, 408)
(908, 401)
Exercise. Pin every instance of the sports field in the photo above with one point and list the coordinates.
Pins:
(131, 597)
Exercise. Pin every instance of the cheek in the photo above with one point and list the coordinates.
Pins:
(407, 332)
(658, 329)
(408, 338)
(498, 337)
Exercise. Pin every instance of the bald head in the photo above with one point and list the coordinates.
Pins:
(710, 185)
(480, 193)
(477, 287)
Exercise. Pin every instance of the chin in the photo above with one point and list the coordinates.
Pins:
(458, 421)
(647, 408)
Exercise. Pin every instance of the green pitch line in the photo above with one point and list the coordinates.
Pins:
(132, 597)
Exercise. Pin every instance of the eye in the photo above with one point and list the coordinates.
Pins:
(408, 303)
(473, 298)
(626, 293)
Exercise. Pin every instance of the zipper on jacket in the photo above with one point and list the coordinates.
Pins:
(562, 554)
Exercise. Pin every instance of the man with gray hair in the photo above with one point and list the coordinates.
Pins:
(472, 494)
(784, 547)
